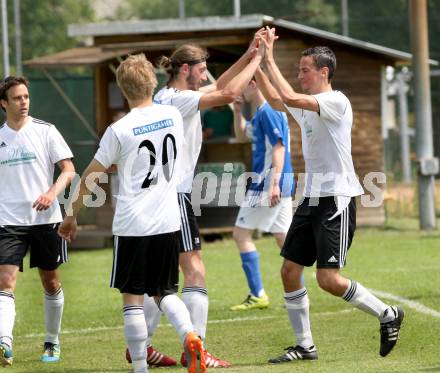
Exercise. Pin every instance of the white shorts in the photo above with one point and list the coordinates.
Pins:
(267, 219)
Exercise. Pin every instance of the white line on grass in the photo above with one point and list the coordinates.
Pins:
(221, 321)
(253, 318)
(407, 302)
(416, 306)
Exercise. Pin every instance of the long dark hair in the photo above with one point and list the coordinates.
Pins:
(190, 54)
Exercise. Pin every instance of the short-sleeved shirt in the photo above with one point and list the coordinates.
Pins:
(27, 164)
(326, 145)
(187, 102)
(146, 146)
(266, 128)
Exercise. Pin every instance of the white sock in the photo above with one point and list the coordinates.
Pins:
(152, 316)
(177, 314)
(53, 313)
(139, 366)
(196, 300)
(389, 314)
(7, 317)
(135, 330)
(297, 305)
(362, 299)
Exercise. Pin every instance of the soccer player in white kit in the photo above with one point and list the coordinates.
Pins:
(323, 225)
(186, 68)
(30, 212)
(146, 147)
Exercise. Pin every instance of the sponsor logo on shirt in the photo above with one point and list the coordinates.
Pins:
(18, 156)
(151, 127)
(3, 145)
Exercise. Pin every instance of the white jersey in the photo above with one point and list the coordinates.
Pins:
(146, 147)
(326, 145)
(187, 102)
(27, 164)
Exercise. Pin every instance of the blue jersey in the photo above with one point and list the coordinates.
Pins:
(267, 128)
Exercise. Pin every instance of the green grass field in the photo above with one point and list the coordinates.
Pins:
(397, 260)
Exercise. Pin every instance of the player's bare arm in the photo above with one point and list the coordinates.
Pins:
(239, 121)
(44, 201)
(232, 71)
(239, 65)
(235, 87)
(278, 152)
(68, 227)
(268, 91)
(284, 89)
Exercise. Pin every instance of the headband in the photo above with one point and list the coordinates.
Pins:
(192, 62)
(195, 62)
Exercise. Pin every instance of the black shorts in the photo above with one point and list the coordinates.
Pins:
(190, 235)
(313, 237)
(146, 265)
(47, 249)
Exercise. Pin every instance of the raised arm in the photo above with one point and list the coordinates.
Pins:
(235, 86)
(239, 122)
(268, 91)
(282, 86)
(239, 65)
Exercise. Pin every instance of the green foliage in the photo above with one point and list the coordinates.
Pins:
(382, 22)
(316, 13)
(387, 23)
(398, 260)
(44, 25)
(151, 9)
(312, 12)
(141, 9)
(434, 28)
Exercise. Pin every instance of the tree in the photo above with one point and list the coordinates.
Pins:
(318, 13)
(141, 9)
(315, 13)
(44, 25)
(381, 22)
(387, 23)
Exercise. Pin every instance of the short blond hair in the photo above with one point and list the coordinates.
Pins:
(136, 78)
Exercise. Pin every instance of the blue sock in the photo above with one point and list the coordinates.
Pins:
(250, 262)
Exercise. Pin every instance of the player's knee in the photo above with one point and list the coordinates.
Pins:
(237, 235)
(194, 276)
(284, 273)
(328, 282)
(289, 275)
(51, 285)
(193, 269)
(7, 281)
(243, 239)
(280, 238)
